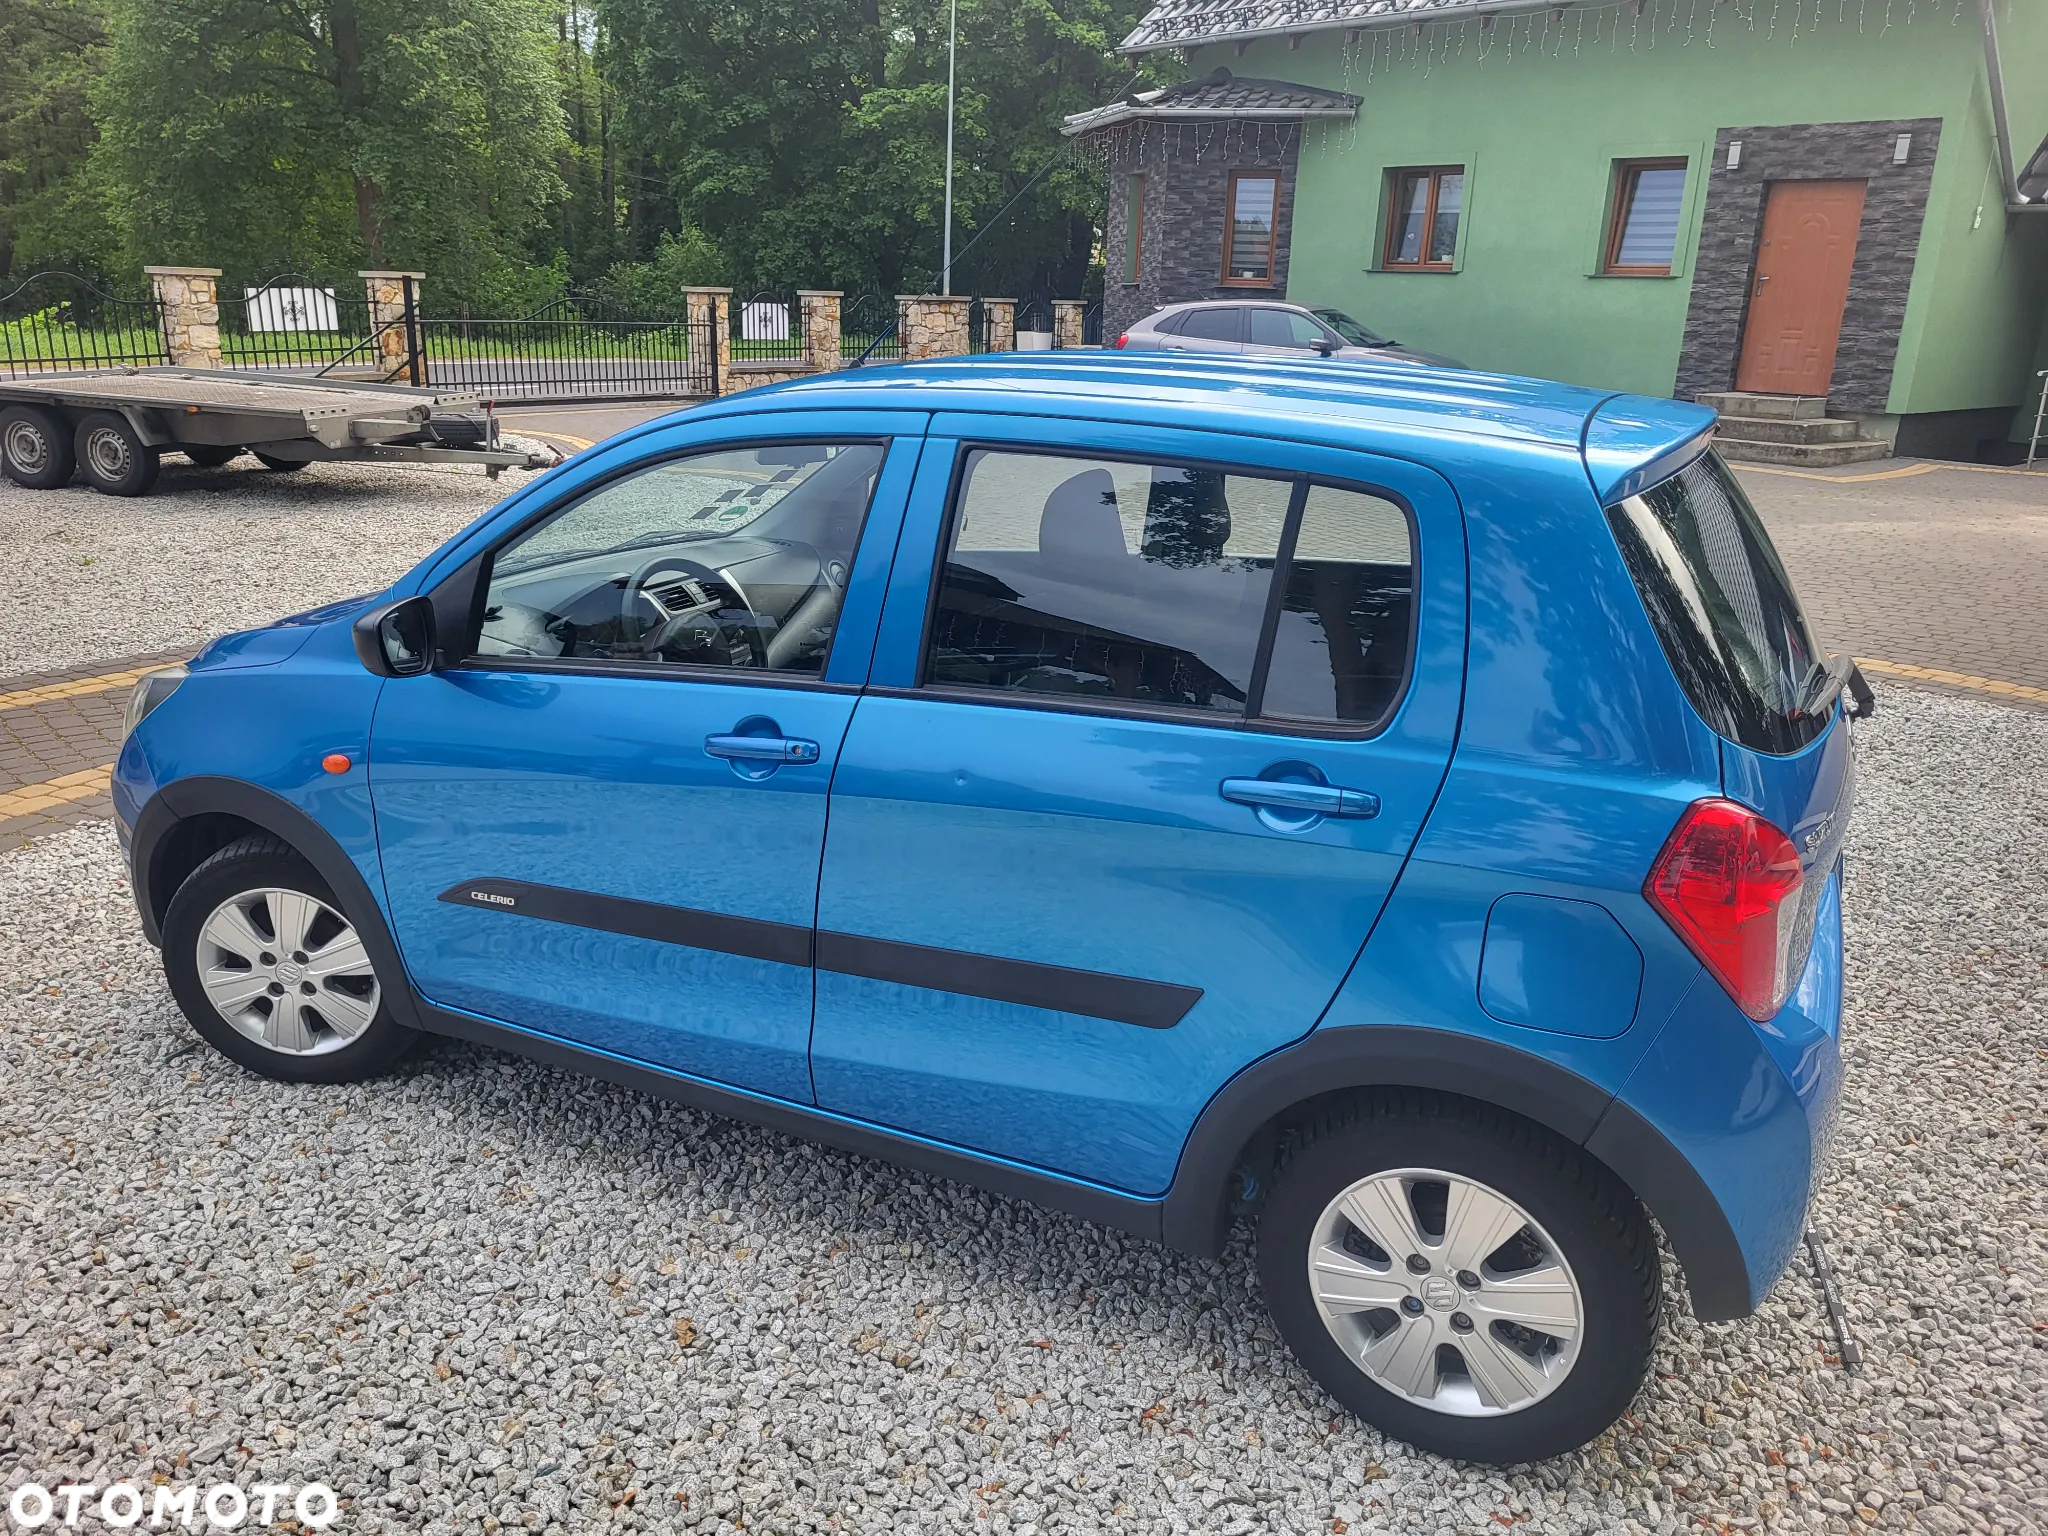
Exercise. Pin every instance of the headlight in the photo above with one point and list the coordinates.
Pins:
(151, 689)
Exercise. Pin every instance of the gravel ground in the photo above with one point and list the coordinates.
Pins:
(487, 1294)
(211, 550)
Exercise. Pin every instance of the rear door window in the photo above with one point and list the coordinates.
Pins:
(1113, 581)
(1107, 579)
(1223, 322)
(1342, 642)
(1723, 608)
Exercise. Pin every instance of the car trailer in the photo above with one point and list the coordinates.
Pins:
(110, 425)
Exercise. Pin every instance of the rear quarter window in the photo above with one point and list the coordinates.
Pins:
(1724, 609)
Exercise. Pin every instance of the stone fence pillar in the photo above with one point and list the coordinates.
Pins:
(191, 313)
(928, 325)
(709, 310)
(1066, 322)
(394, 334)
(1001, 320)
(821, 327)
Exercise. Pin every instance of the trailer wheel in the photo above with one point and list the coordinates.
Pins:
(282, 466)
(210, 455)
(112, 458)
(35, 447)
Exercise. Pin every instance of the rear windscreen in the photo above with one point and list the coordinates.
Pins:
(1723, 608)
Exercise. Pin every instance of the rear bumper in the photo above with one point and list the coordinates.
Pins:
(1751, 1107)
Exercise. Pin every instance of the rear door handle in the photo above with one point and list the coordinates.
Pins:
(762, 749)
(1291, 795)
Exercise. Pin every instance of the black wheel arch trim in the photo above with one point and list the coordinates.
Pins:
(206, 794)
(1196, 1214)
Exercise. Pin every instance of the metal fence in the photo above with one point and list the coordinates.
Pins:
(59, 320)
(576, 347)
(304, 325)
(867, 329)
(768, 327)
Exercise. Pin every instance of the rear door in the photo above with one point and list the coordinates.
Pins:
(1212, 328)
(605, 824)
(1119, 808)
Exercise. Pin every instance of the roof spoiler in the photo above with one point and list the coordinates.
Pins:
(1631, 442)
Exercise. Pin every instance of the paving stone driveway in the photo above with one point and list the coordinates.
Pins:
(1921, 565)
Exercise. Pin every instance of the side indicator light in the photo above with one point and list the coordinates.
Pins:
(336, 762)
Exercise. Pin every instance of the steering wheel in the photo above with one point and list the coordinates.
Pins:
(707, 627)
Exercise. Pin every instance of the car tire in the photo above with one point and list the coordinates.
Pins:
(311, 1013)
(210, 455)
(112, 457)
(282, 466)
(35, 447)
(1405, 1339)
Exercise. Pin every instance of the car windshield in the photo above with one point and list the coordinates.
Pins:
(717, 494)
(1723, 608)
(1354, 333)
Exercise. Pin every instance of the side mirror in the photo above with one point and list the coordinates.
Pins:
(1324, 346)
(396, 639)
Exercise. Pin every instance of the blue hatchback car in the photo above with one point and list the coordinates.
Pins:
(1406, 809)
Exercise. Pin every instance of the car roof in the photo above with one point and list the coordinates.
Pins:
(1174, 309)
(1384, 407)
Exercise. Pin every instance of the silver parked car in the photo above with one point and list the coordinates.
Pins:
(1265, 329)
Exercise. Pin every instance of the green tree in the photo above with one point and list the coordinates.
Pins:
(806, 138)
(50, 53)
(261, 134)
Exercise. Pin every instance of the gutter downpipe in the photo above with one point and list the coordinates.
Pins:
(2000, 125)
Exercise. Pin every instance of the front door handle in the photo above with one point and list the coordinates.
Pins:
(1292, 795)
(762, 749)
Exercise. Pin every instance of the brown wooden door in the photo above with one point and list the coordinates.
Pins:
(1800, 286)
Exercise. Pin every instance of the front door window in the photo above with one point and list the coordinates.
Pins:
(732, 559)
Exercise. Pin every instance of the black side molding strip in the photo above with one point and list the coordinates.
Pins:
(1099, 995)
(783, 943)
(1096, 994)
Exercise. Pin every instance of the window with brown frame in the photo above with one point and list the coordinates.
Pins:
(1250, 230)
(1423, 208)
(1642, 223)
(1134, 227)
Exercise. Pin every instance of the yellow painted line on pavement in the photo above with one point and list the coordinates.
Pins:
(1990, 685)
(76, 688)
(51, 793)
(1906, 473)
(1806, 474)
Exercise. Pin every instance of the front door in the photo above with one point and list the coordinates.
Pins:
(1800, 287)
(1114, 821)
(606, 824)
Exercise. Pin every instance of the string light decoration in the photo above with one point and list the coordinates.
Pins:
(1377, 38)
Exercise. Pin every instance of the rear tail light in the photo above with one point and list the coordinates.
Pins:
(1729, 882)
(1121, 340)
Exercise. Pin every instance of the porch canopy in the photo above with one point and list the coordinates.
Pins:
(1219, 95)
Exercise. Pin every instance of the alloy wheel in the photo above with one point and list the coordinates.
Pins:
(1445, 1292)
(288, 971)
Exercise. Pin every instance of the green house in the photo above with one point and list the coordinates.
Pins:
(1822, 211)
